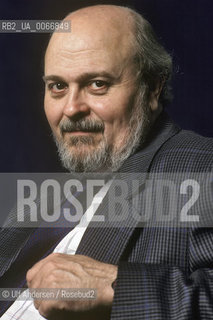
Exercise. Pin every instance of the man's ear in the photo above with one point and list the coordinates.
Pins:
(154, 97)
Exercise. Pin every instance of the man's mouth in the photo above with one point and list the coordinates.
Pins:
(80, 132)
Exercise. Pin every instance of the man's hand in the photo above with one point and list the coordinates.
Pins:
(73, 271)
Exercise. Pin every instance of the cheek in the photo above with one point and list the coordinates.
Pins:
(112, 109)
(116, 113)
(53, 112)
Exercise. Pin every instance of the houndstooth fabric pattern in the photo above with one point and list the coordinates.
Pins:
(163, 272)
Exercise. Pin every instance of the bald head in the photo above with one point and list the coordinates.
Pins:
(128, 34)
(104, 27)
(111, 14)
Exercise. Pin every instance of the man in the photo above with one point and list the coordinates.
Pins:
(106, 85)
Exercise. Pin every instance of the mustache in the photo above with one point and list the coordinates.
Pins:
(87, 125)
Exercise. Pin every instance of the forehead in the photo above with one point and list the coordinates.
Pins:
(90, 44)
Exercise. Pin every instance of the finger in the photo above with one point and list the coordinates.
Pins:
(38, 267)
(48, 308)
(37, 303)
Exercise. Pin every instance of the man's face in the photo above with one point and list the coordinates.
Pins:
(91, 91)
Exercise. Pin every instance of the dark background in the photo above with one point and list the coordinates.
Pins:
(185, 29)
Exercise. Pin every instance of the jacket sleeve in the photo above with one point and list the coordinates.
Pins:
(161, 292)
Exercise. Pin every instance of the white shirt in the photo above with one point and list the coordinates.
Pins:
(24, 309)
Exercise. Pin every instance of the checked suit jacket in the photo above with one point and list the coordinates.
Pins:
(163, 272)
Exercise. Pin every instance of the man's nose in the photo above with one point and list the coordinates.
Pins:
(76, 104)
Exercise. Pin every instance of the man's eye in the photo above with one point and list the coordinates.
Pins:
(98, 84)
(56, 87)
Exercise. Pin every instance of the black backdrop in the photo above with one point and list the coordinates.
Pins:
(185, 28)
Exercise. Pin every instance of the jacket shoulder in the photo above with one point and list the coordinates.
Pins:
(185, 151)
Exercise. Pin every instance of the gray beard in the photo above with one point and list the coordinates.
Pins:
(104, 157)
